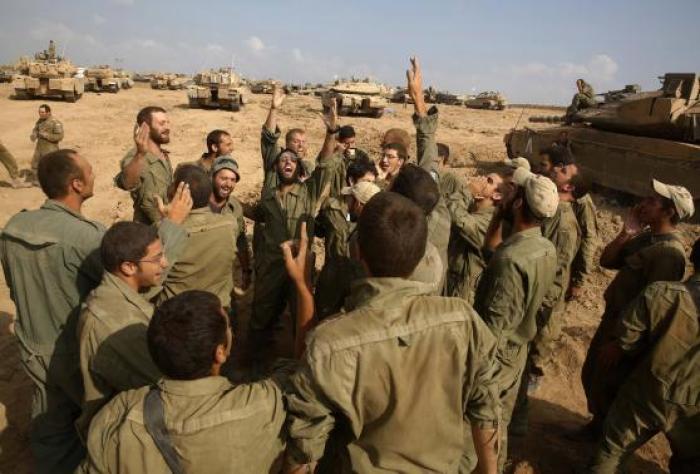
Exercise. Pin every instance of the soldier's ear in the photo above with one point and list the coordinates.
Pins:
(128, 269)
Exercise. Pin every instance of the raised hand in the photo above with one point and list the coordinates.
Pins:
(142, 138)
(278, 96)
(414, 79)
(296, 265)
(180, 206)
(330, 117)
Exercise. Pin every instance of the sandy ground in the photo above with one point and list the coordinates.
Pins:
(99, 126)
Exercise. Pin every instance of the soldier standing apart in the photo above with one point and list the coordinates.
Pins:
(10, 164)
(649, 248)
(146, 171)
(47, 133)
(662, 394)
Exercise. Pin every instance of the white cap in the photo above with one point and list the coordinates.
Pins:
(681, 197)
(518, 162)
(362, 191)
(540, 192)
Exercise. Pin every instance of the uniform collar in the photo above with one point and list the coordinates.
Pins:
(195, 388)
(374, 292)
(129, 294)
(524, 234)
(53, 205)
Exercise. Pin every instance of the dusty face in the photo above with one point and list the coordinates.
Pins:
(485, 187)
(225, 146)
(43, 113)
(651, 210)
(562, 175)
(390, 163)
(160, 128)
(151, 267)
(287, 165)
(224, 183)
(297, 143)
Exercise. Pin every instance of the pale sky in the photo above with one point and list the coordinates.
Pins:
(533, 51)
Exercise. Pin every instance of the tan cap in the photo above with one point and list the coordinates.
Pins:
(540, 192)
(362, 191)
(681, 197)
(518, 162)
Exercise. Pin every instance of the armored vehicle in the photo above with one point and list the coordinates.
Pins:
(490, 100)
(47, 75)
(101, 79)
(170, 81)
(629, 139)
(6, 73)
(448, 99)
(216, 90)
(125, 79)
(356, 98)
(262, 87)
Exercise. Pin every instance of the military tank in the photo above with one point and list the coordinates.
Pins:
(47, 76)
(124, 77)
(6, 72)
(630, 137)
(102, 79)
(262, 87)
(356, 97)
(489, 100)
(216, 89)
(168, 81)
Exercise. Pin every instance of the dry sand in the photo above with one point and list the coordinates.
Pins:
(100, 127)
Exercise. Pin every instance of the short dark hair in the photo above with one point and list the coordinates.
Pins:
(292, 132)
(416, 184)
(359, 168)
(399, 147)
(443, 151)
(346, 131)
(392, 235)
(146, 114)
(695, 255)
(582, 184)
(45, 107)
(184, 333)
(559, 155)
(126, 242)
(56, 170)
(214, 138)
(199, 182)
(397, 135)
(668, 205)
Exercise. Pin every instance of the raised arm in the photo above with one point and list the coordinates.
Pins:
(610, 258)
(425, 121)
(131, 170)
(330, 120)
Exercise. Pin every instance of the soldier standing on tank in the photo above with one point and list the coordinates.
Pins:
(10, 163)
(47, 133)
(583, 99)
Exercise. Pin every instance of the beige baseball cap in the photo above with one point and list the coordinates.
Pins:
(518, 162)
(681, 197)
(362, 191)
(540, 192)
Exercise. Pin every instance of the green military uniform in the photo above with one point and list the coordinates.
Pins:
(48, 133)
(510, 292)
(371, 378)
(644, 259)
(204, 163)
(233, 207)
(215, 426)
(51, 261)
(156, 178)
(583, 264)
(205, 259)
(583, 99)
(464, 254)
(449, 184)
(9, 162)
(337, 170)
(662, 394)
(269, 150)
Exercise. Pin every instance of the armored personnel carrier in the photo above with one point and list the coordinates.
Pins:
(489, 100)
(356, 98)
(632, 137)
(102, 79)
(46, 76)
(216, 90)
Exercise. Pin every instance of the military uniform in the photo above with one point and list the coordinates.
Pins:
(583, 99)
(156, 177)
(48, 133)
(449, 184)
(337, 170)
(269, 150)
(583, 264)
(215, 426)
(662, 394)
(644, 259)
(464, 255)
(234, 208)
(203, 163)
(510, 292)
(9, 162)
(371, 378)
(47, 296)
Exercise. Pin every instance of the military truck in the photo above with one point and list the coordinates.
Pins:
(216, 89)
(262, 87)
(47, 76)
(625, 141)
(101, 79)
(489, 100)
(356, 97)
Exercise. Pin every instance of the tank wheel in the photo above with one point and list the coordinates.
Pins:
(377, 113)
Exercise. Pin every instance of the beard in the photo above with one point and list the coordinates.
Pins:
(159, 138)
(289, 180)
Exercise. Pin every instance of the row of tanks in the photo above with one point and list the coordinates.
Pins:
(489, 100)
(170, 81)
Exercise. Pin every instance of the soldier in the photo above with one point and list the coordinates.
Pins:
(146, 171)
(47, 133)
(649, 248)
(583, 99)
(471, 211)
(212, 424)
(114, 318)
(225, 176)
(10, 164)
(219, 143)
(449, 183)
(520, 271)
(206, 257)
(660, 328)
(341, 403)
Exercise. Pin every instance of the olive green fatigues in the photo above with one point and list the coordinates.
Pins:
(510, 293)
(234, 208)
(449, 184)
(156, 177)
(9, 162)
(215, 426)
(644, 259)
(582, 100)
(584, 262)
(662, 394)
(270, 150)
(48, 133)
(375, 394)
(464, 255)
(50, 257)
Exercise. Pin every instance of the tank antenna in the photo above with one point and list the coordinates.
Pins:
(521, 116)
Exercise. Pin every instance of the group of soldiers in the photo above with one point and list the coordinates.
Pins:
(434, 314)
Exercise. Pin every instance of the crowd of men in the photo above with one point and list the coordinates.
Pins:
(434, 314)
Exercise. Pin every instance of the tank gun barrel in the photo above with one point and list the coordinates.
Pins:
(547, 119)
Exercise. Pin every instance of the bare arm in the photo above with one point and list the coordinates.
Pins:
(610, 257)
(414, 77)
(131, 172)
(485, 445)
(275, 104)
(330, 119)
